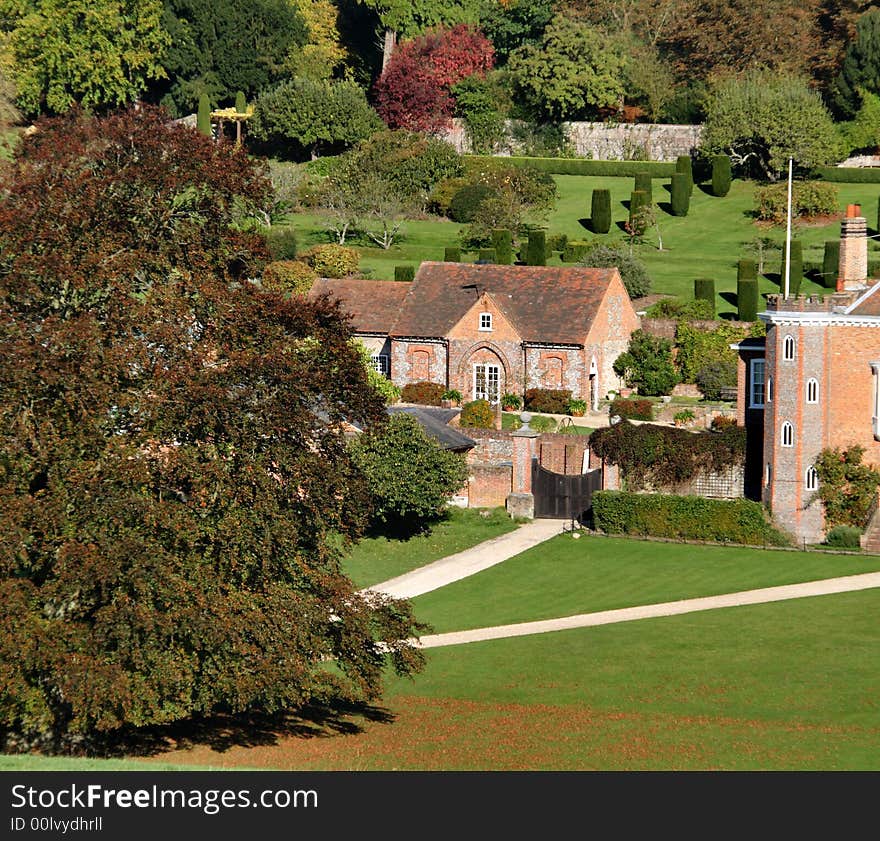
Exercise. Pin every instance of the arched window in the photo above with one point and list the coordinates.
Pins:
(788, 348)
(787, 434)
(769, 389)
(811, 479)
(812, 390)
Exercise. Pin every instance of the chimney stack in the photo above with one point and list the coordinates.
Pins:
(852, 272)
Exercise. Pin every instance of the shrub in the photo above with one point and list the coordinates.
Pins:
(696, 347)
(576, 407)
(288, 277)
(680, 200)
(452, 254)
(796, 274)
(582, 166)
(404, 273)
(331, 260)
(536, 251)
(684, 518)
(684, 165)
(575, 251)
(600, 211)
(452, 394)
(510, 402)
(746, 270)
(281, 242)
(685, 417)
(556, 242)
(633, 273)
(638, 201)
(423, 393)
(682, 310)
(647, 364)
(721, 177)
(844, 537)
(722, 422)
(847, 488)
(849, 174)
(549, 400)
(631, 409)
(808, 200)
(643, 184)
(747, 299)
(704, 290)
(502, 242)
(203, 118)
(477, 414)
(240, 102)
(467, 200)
(715, 375)
(831, 264)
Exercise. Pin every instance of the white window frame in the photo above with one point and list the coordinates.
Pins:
(768, 474)
(875, 418)
(382, 363)
(769, 397)
(789, 349)
(754, 365)
(786, 434)
(812, 389)
(486, 322)
(487, 382)
(811, 478)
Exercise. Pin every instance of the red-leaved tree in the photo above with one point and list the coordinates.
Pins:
(414, 90)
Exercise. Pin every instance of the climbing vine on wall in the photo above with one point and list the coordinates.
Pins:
(847, 488)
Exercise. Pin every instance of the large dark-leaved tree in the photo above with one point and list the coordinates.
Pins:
(172, 460)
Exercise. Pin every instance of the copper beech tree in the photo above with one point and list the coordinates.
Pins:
(172, 460)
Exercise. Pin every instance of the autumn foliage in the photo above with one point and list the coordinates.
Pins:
(171, 455)
(414, 90)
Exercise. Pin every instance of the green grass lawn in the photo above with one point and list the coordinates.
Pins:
(378, 559)
(563, 577)
(27, 762)
(708, 242)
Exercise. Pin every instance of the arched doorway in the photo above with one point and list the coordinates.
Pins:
(484, 374)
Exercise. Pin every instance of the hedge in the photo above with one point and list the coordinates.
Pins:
(452, 254)
(486, 254)
(684, 164)
(549, 400)
(849, 174)
(684, 518)
(404, 273)
(704, 290)
(747, 299)
(746, 270)
(720, 175)
(536, 250)
(681, 196)
(423, 393)
(584, 166)
(502, 242)
(600, 211)
(638, 201)
(643, 184)
(575, 251)
(625, 407)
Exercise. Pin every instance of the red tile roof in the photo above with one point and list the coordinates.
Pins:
(550, 304)
(373, 304)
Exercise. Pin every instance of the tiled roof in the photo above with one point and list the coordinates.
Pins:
(373, 304)
(434, 422)
(867, 304)
(554, 305)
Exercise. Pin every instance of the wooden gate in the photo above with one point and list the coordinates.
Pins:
(562, 496)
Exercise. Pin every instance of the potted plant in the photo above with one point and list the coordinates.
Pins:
(451, 397)
(684, 418)
(510, 402)
(577, 408)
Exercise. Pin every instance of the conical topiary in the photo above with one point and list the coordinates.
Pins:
(831, 264)
(240, 102)
(600, 211)
(684, 164)
(720, 175)
(643, 184)
(502, 242)
(704, 290)
(203, 118)
(747, 299)
(681, 197)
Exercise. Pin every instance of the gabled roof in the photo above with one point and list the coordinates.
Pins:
(551, 305)
(434, 422)
(373, 304)
(868, 303)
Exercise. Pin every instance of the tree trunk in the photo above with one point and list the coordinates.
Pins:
(388, 47)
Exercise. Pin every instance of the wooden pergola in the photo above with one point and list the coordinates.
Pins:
(222, 114)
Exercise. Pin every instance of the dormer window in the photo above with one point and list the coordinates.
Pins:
(485, 321)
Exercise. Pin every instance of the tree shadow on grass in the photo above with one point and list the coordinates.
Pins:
(705, 188)
(586, 223)
(729, 297)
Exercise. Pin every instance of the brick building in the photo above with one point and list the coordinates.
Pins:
(486, 330)
(812, 384)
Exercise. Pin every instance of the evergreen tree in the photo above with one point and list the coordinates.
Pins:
(600, 211)
(747, 299)
(536, 250)
(831, 264)
(681, 196)
(240, 102)
(683, 163)
(643, 184)
(638, 202)
(704, 290)
(746, 270)
(502, 242)
(861, 65)
(203, 119)
(720, 175)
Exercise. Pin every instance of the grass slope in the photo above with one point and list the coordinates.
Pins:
(564, 577)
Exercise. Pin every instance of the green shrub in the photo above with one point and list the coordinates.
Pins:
(583, 166)
(647, 364)
(288, 277)
(746, 270)
(281, 242)
(715, 375)
(633, 273)
(809, 199)
(556, 242)
(536, 251)
(452, 254)
(575, 250)
(681, 310)
(331, 260)
(632, 408)
(502, 242)
(796, 274)
(680, 194)
(704, 290)
(404, 273)
(550, 400)
(638, 201)
(685, 165)
(684, 518)
(578, 408)
(747, 299)
(240, 102)
(467, 200)
(721, 177)
(831, 263)
(203, 118)
(486, 255)
(847, 487)
(510, 402)
(697, 346)
(849, 174)
(643, 184)
(477, 414)
(844, 537)
(684, 417)
(423, 393)
(452, 394)
(600, 211)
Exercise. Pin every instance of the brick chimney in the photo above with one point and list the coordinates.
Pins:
(852, 272)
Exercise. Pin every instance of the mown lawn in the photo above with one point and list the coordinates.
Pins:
(563, 577)
(377, 559)
(708, 242)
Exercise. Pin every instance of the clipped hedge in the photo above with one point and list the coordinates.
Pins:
(536, 250)
(685, 518)
(643, 184)
(423, 393)
(550, 400)
(685, 165)
(404, 273)
(452, 254)
(584, 166)
(721, 177)
(747, 299)
(638, 201)
(680, 194)
(632, 409)
(575, 251)
(477, 414)
(746, 269)
(486, 255)
(704, 290)
(600, 211)
(502, 242)
(849, 174)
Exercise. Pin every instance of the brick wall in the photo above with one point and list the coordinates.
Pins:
(489, 485)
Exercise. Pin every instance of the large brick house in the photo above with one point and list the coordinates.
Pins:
(813, 383)
(486, 330)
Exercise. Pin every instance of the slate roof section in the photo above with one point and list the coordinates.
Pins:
(547, 304)
(374, 304)
(867, 304)
(434, 422)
